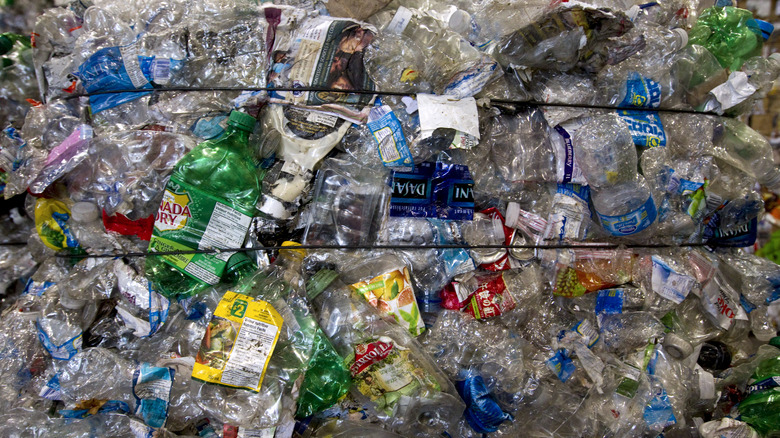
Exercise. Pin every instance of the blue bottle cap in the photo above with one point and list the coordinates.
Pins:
(723, 3)
(761, 27)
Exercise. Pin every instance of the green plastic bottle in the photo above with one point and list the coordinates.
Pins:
(208, 203)
(761, 407)
(731, 34)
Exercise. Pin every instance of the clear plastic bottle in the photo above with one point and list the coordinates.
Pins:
(750, 152)
(605, 152)
(88, 227)
(416, 52)
(385, 359)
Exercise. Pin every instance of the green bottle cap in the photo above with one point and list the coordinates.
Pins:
(775, 342)
(242, 121)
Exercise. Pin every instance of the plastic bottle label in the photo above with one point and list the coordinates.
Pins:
(570, 214)
(471, 80)
(393, 295)
(52, 389)
(190, 219)
(36, 288)
(152, 391)
(561, 365)
(381, 366)
(444, 191)
(630, 223)
(609, 302)
(568, 169)
(390, 139)
(412, 193)
(115, 68)
(659, 413)
(668, 283)
(646, 128)
(64, 351)
(400, 20)
(238, 343)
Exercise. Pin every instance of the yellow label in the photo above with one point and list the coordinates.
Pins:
(408, 75)
(51, 222)
(174, 212)
(238, 343)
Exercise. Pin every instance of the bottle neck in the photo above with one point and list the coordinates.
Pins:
(241, 134)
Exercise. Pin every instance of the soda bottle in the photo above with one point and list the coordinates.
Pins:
(208, 203)
(731, 34)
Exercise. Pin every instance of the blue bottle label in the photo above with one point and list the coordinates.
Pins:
(630, 223)
(389, 135)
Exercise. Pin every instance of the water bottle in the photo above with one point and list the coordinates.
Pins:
(750, 152)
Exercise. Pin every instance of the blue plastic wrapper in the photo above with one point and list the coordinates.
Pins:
(483, 413)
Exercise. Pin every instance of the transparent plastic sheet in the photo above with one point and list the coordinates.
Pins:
(347, 205)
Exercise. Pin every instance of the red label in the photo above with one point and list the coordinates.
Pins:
(118, 223)
(490, 299)
(369, 354)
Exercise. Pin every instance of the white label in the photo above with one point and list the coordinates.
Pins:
(567, 217)
(226, 229)
(202, 274)
(445, 112)
(669, 284)
(387, 147)
(130, 59)
(250, 353)
(735, 90)
(399, 22)
(322, 119)
(411, 104)
(719, 299)
(161, 70)
(706, 384)
(157, 388)
(256, 433)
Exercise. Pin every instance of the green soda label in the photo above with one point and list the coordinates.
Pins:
(190, 219)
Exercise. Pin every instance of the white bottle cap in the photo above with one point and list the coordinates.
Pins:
(274, 208)
(775, 56)
(677, 347)
(512, 214)
(460, 21)
(84, 212)
(682, 36)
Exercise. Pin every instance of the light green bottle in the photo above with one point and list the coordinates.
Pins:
(208, 203)
(731, 34)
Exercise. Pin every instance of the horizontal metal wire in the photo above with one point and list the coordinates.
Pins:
(530, 103)
(384, 247)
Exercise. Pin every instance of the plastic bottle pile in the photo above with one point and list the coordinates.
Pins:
(516, 219)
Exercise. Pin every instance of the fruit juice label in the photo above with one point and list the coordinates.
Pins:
(392, 294)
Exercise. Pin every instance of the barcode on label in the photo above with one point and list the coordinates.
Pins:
(161, 70)
(322, 119)
(130, 59)
(387, 147)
